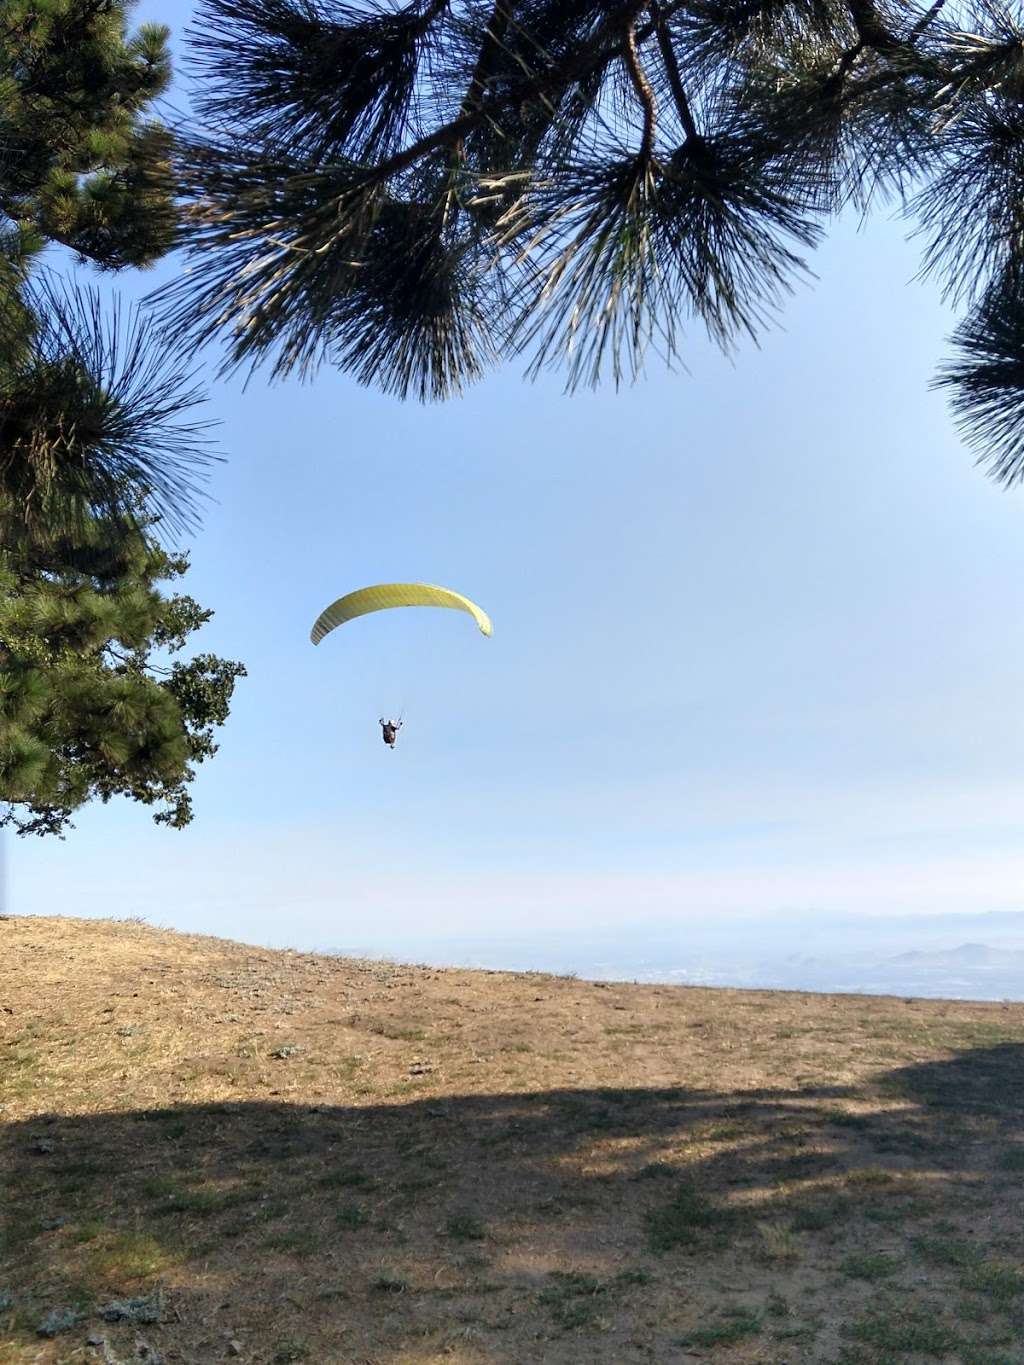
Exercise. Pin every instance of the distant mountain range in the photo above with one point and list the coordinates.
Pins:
(967, 957)
(976, 971)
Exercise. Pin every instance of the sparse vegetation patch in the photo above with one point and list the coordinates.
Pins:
(561, 1217)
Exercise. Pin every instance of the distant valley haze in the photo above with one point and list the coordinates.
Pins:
(920, 955)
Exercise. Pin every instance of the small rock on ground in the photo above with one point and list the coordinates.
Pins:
(58, 1320)
(147, 1309)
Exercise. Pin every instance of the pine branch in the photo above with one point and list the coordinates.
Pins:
(846, 62)
(644, 93)
(283, 73)
(926, 20)
(480, 105)
(985, 381)
(95, 413)
(624, 250)
(870, 29)
(497, 27)
(496, 175)
(675, 79)
(972, 212)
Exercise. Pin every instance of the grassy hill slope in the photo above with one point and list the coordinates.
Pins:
(211, 1152)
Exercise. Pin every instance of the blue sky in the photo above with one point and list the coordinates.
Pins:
(757, 646)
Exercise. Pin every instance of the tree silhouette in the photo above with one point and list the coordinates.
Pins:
(410, 192)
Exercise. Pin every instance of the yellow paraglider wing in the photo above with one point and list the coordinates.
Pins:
(387, 595)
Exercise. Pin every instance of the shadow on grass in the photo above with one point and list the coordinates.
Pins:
(488, 1216)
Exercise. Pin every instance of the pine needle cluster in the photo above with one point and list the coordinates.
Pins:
(412, 190)
(97, 418)
(81, 163)
(93, 410)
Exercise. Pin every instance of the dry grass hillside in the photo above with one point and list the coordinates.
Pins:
(212, 1152)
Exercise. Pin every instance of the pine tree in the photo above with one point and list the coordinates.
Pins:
(83, 424)
(80, 163)
(92, 702)
(412, 192)
(99, 442)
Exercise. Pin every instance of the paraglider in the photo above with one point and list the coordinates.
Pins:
(389, 731)
(384, 596)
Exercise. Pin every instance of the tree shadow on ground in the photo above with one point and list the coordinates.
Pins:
(502, 1227)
